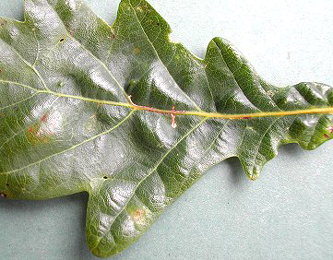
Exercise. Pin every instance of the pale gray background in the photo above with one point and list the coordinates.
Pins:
(286, 214)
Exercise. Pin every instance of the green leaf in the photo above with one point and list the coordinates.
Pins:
(131, 118)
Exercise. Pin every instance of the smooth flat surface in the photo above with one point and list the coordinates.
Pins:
(286, 214)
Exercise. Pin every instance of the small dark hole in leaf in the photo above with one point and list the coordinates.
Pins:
(158, 24)
(62, 40)
(7, 184)
(105, 177)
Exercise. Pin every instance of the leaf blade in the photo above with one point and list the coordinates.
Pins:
(144, 150)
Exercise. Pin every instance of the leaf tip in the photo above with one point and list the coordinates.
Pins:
(254, 173)
(254, 177)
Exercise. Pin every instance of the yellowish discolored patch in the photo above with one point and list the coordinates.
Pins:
(136, 51)
(36, 135)
(270, 93)
(91, 123)
(113, 33)
(2, 22)
(139, 9)
(139, 216)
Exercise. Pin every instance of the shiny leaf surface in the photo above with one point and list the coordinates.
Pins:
(131, 118)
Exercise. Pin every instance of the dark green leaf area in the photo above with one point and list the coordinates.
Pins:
(68, 125)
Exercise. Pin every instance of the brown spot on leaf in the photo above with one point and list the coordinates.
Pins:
(94, 116)
(44, 118)
(3, 195)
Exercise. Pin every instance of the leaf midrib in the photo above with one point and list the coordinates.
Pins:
(280, 113)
